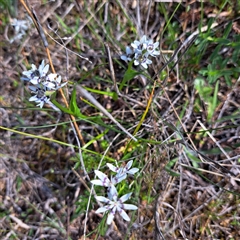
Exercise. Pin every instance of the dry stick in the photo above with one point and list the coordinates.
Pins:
(147, 18)
(207, 171)
(112, 72)
(29, 12)
(138, 23)
(214, 140)
(43, 37)
(67, 49)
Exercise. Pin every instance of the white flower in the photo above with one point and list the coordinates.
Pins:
(142, 50)
(20, 25)
(52, 81)
(106, 182)
(139, 44)
(40, 95)
(123, 170)
(151, 48)
(35, 75)
(20, 28)
(127, 57)
(143, 60)
(116, 205)
(43, 85)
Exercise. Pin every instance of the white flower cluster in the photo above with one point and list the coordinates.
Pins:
(140, 51)
(20, 28)
(113, 202)
(43, 83)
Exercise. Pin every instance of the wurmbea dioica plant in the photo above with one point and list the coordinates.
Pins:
(43, 84)
(140, 51)
(114, 203)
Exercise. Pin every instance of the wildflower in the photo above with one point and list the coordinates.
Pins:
(143, 61)
(151, 47)
(40, 95)
(44, 84)
(126, 57)
(139, 44)
(116, 205)
(52, 81)
(36, 75)
(20, 25)
(106, 182)
(141, 51)
(20, 28)
(123, 170)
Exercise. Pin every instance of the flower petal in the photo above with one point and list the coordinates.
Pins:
(124, 215)
(129, 50)
(136, 62)
(118, 178)
(130, 207)
(125, 197)
(129, 164)
(44, 70)
(101, 210)
(112, 192)
(112, 167)
(102, 199)
(34, 81)
(100, 175)
(33, 98)
(97, 182)
(110, 218)
(133, 171)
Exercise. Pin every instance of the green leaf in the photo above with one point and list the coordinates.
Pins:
(227, 30)
(98, 137)
(194, 159)
(169, 166)
(212, 106)
(215, 53)
(64, 25)
(223, 41)
(129, 75)
(63, 109)
(113, 95)
(73, 104)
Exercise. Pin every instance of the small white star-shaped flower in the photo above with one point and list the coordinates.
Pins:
(106, 182)
(116, 205)
(139, 44)
(127, 57)
(142, 50)
(20, 28)
(35, 75)
(143, 61)
(123, 170)
(39, 96)
(52, 81)
(151, 48)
